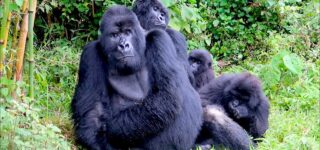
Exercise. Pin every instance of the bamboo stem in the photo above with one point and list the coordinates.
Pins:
(32, 6)
(22, 41)
(13, 46)
(4, 31)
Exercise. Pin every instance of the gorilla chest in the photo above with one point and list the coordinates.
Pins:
(128, 90)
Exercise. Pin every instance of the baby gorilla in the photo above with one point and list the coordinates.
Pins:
(240, 95)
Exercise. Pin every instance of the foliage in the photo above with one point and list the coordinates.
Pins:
(71, 19)
(21, 125)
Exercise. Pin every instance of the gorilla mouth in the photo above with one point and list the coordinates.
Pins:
(123, 57)
(161, 24)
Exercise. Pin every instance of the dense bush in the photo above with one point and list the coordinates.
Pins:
(231, 29)
(71, 19)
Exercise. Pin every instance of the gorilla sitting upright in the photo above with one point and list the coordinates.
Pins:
(201, 67)
(153, 15)
(132, 92)
(240, 94)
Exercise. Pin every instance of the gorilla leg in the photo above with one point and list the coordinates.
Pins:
(221, 131)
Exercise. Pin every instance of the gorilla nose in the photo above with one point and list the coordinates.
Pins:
(161, 19)
(124, 47)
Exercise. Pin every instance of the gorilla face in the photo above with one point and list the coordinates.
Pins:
(238, 109)
(200, 61)
(151, 14)
(122, 41)
(243, 96)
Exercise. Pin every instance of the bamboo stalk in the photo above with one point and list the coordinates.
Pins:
(32, 6)
(4, 31)
(13, 46)
(22, 41)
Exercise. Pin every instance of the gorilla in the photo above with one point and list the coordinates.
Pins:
(242, 98)
(218, 129)
(239, 95)
(201, 66)
(153, 15)
(221, 131)
(132, 92)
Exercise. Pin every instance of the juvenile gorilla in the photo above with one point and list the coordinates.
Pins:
(132, 92)
(240, 95)
(153, 15)
(201, 66)
(242, 98)
(218, 129)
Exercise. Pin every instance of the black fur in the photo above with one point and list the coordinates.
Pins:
(132, 92)
(150, 13)
(242, 98)
(149, 19)
(201, 66)
(226, 91)
(221, 131)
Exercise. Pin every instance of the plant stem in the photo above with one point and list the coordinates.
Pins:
(32, 9)
(5, 25)
(22, 42)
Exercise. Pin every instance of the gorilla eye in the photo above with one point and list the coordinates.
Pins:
(115, 34)
(127, 32)
(155, 8)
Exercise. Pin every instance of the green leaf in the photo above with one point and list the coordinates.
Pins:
(167, 3)
(19, 2)
(4, 92)
(13, 7)
(293, 63)
(215, 23)
(23, 132)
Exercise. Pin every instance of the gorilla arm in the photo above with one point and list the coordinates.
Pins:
(87, 102)
(161, 106)
(259, 123)
(180, 44)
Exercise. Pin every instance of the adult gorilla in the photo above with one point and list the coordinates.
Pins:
(132, 92)
(153, 15)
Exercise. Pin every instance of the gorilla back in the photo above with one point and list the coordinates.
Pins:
(132, 91)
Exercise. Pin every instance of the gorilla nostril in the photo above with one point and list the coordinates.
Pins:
(161, 18)
(121, 47)
(127, 45)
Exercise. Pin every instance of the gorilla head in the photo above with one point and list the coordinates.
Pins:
(151, 14)
(200, 61)
(244, 95)
(201, 66)
(125, 49)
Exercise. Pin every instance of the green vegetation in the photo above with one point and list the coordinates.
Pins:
(276, 40)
